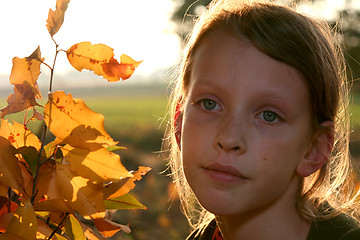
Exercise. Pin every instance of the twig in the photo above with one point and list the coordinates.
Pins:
(34, 192)
(58, 226)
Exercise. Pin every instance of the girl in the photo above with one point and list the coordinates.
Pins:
(260, 127)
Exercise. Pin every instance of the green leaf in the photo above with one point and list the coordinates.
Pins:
(30, 155)
(114, 148)
(73, 229)
(124, 202)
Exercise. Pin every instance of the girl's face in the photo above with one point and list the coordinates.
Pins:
(245, 128)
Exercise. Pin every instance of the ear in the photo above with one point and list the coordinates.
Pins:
(319, 152)
(178, 124)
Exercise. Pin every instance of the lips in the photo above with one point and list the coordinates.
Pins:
(224, 173)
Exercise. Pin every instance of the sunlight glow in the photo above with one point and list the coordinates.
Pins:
(138, 28)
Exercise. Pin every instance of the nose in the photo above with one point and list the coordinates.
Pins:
(230, 137)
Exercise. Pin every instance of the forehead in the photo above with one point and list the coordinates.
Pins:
(224, 62)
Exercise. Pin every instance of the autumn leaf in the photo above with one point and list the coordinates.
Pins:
(26, 71)
(18, 135)
(7, 206)
(83, 196)
(73, 228)
(108, 228)
(55, 205)
(24, 223)
(100, 59)
(122, 187)
(48, 187)
(11, 236)
(100, 166)
(24, 75)
(124, 202)
(22, 98)
(56, 18)
(44, 231)
(10, 173)
(30, 154)
(90, 234)
(71, 121)
(3, 190)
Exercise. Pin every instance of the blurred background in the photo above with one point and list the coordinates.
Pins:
(135, 110)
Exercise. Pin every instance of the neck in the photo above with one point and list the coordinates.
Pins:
(271, 222)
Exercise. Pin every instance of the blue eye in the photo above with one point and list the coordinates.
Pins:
(269, 116)
(208, 104)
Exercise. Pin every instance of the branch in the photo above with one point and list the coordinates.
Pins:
(58, 226)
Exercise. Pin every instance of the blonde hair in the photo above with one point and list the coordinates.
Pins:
(310, 47)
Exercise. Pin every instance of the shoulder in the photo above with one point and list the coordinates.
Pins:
(341, 227)
(204, 233)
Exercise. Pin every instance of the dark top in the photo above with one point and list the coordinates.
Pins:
(340, 227)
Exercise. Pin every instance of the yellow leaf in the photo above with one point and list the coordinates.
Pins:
(24, 222)
(73, 229)
(24, 75)
(10, 173)
(82, 195)
(56, 18)
(99, 166)
(18, 135)
(122, 187)
(27, 70)
(124, 202)
(70, 120)
(100, 59)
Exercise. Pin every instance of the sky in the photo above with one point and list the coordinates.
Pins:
(139, 28)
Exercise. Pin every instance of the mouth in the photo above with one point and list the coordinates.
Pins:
(224, 173)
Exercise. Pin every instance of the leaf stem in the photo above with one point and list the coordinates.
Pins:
(34, 192)
(58, 226)
(53, 67)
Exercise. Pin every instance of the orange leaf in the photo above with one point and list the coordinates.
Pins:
(22, 98)
(56, 18)
(83, 196)
(71, 121)
(10, 173)
(54, 205)
(122, 187)
(24, 75)
(108, 228)
(7, 206)
(24, 222)
(44, 231)
(100, 59)
(3, 190)
(11, 236)
(18, 135)
(100, 166)
(48, 186)
(90, 234)
(27, 70)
